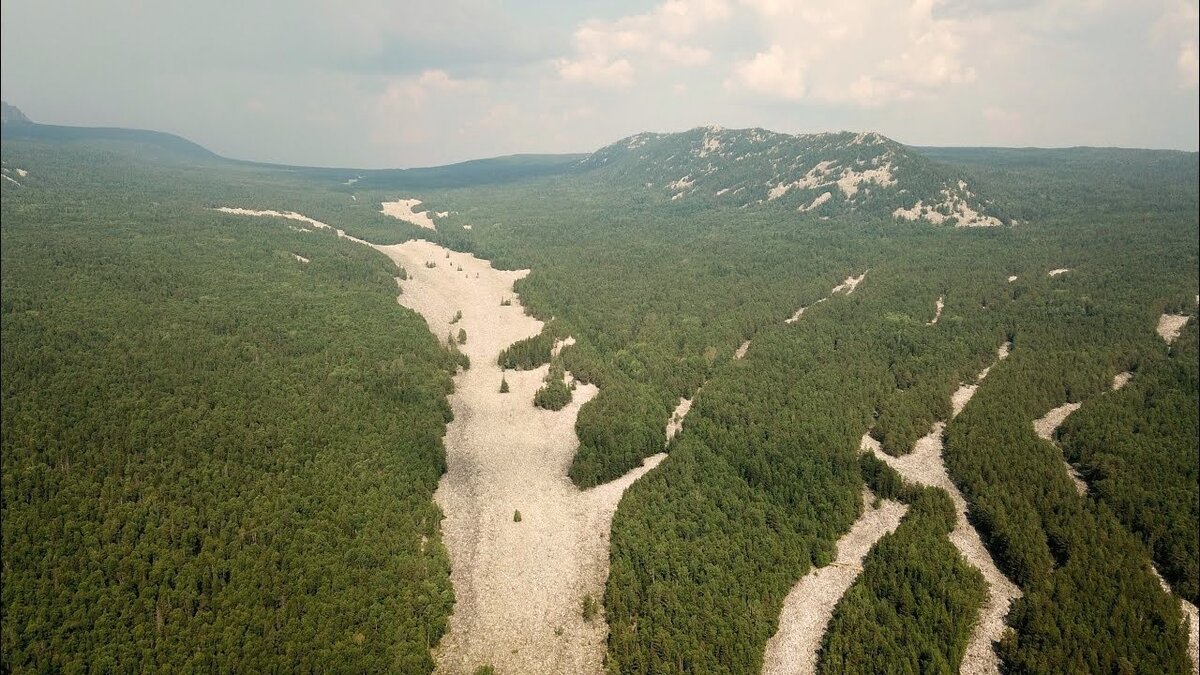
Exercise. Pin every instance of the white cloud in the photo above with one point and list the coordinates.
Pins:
(596, 69)
(1189, 66)
(413, 92)
(1176, 33)
(853, 51)
(1002, 123)
(605, 51)
(683, 54)
(771, 73)
(409, 109)
(1179, 27)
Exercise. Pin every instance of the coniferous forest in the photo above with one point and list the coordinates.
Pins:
(220, 457)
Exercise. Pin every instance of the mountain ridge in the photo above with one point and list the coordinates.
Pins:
(11, 114)
(16, 125)
(819, 175)
(827, 173)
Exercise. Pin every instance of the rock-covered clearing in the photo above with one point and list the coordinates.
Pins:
(519, 586)
(560, 345)
(954, 201)
(809, 606)
(1048, 424)
(938, 307)
(849, 284)
(6, 172)
(847, 287)
(402, 209)
(1170, 326)
(1045, 427)
(925, 465)
(817, 201)
(675, 423)
(1121, 379)
(741, 351)
(292, 215)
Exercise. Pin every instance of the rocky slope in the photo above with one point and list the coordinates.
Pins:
(821, 174)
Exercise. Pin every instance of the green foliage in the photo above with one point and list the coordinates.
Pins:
(766, 478)
(503, 385)
(214, 459)
(516, 516)
(617, 429)
(590, 609)
(1138, 450)
(528, 353)
(244, 379)
(1068, 553)
(884, 481)
(680, 166)
(554, 393)
(913, 607)
(462, 336)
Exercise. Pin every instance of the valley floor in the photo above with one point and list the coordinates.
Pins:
(529, 550)
(520, 586)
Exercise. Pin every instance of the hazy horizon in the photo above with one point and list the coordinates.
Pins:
(426, 84)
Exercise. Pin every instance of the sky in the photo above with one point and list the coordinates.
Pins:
(374, 84)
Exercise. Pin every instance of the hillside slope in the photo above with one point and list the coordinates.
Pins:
(15, 125)
(826, 174)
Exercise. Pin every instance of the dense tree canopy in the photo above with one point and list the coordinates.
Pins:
(217, 456)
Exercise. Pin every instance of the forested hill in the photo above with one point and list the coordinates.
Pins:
(17, 126)
(10, 114)
(823, 174)
(820, 175)
(165, 146)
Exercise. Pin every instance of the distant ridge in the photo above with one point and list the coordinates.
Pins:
(11, 114)
(17, 126)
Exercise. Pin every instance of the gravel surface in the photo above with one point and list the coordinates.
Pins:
(1121, 379)
(938, 306)
(675, 423)
(1171, 325)
(1045, 428)
(519, 586)
(403, 210)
